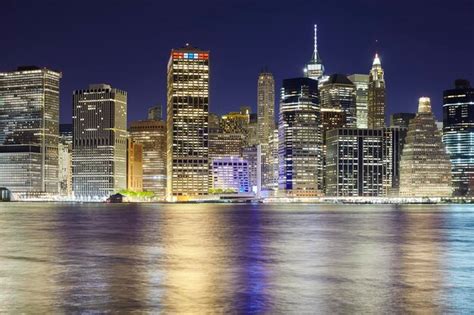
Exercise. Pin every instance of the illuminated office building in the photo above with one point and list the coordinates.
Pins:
(134, 166)
(249, 154)
(65, 159)
(299, 138)
(265, 106)
(271, 168)
(230, 175)
(338, 94)
(363, 162)
(252, 138)
(401, 120)
(187, 124)
(315, 68)
(29, 130)
(425, 168)
(361, 82)
(458, 135)
(354, 162)
(99, 159)
(222, 144)
(376, 96)
(151, 134)
(236, 122)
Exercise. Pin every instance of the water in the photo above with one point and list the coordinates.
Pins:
(205, 259)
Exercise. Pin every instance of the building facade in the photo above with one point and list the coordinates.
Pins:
(134, 166)
(425, 168)
(29, 131)
(338, 95)
(265, 106)
(458, 135)
(376, 96)
(401, 120)
(230, 175)
(187, 124)
(300, 142)
(151, 134)
(363, 162)
(99, 159)
(361, 82)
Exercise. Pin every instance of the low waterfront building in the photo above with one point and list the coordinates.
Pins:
(425, 168)
(230, 175)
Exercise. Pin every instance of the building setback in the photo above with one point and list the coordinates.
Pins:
(99, 159)
(151, 134)
(425, 168)
(187, 124)
(458, 135)
(299, 138)
(376, 96)
(29, 130)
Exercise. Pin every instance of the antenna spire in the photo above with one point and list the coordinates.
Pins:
(315, 41)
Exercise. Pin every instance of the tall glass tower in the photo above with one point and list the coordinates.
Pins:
(299, 131)
(188, 124)
(376, 96)
(29, 130)
(458, 135)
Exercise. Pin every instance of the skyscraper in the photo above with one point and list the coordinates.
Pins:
(151, 134)
(187, 124)
(299, 138)
(425, 169)
(363, 162)
(265, 121)
(376, 96)
(338, 94)
(99, 159)
(315, 69)
(458, 135)
(361, 82)
(29, 130)
(265, 106)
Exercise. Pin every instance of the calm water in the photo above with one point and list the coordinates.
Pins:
(208, 259)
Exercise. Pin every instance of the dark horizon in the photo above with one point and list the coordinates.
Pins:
(424, 45)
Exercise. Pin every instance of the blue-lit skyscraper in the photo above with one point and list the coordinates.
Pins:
(458, 135)
(299, 132)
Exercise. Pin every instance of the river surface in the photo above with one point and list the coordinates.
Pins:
(214, 258)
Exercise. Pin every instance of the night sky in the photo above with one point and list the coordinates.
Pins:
(424, 45)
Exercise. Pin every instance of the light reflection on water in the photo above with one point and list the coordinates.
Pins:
(236, 258)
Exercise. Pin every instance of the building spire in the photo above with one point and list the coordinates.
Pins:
(376, 60)
(316, 53)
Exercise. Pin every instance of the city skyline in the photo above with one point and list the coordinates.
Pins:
(144, 57)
